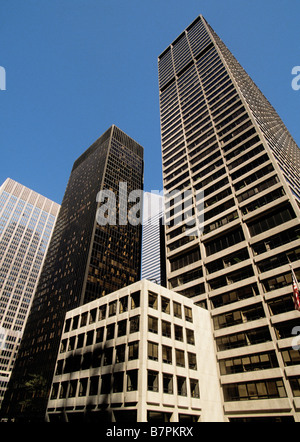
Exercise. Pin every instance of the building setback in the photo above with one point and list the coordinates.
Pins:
(27, 220)
(85, 261)
(223, 141)
(140, 354)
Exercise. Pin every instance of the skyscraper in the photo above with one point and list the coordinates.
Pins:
(26, 223)
(227, 151)
(85, 260)
(153, 243)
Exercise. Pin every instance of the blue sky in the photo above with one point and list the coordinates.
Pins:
(74, 67)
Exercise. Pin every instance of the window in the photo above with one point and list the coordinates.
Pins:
(106, 384)
(192, 361)
(291, 357)
(190, 336)
(90, 337)
(83, 319)
(178, 332)
(167, 383)
(133, 350)
(94, 384)
(179, 358)
(83, 387)
(167, 354)
(120, 353)
(134, 324)
(254, 390)
(59, 367)
(132, 380)
(93, 316)
(224, 242)
(194, 384)
(181, 386)
(75, 322)
(108, 354)
(102, 312)
(135, 300)
(118, 382)
(152, 351)
(152, 324)
(271, 220)
(63, 390)
(153, 300)
(188, 314)
(122, 326)
(99, 334)
(67, 325)
(184, 260)
(80, 340)
(165, 304)
(123, 304)
(166, 328)
(247, 363)
(96, 359)
(295, 385)
(110, 331)
(73, 388)
(63, 346)
(177, 309)
(112, 308)
(153, 380)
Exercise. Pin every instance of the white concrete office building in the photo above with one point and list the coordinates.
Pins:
(141, 354)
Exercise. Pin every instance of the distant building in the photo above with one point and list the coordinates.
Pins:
(153, 239)
(85, 260)
(27, 220)
(140, 354)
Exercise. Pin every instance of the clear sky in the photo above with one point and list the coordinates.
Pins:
(75, 67)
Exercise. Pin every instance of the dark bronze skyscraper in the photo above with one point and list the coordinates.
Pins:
(85, 261)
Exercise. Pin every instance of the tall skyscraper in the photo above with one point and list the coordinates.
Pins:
(26, 223)
(223, 140)
(86, 260)
(153, 243)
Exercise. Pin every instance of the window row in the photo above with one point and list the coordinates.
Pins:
(254, 390)
(166, 330)
(104, 311)
(98, 357)
(165, 306)
(101, 334)
(167, 356)
(166, 384)
(95, 385)
(124, 381)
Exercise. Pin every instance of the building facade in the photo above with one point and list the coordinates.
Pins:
(237, 167)
(85, 260)
(27, 221)
(140, 354)
(153, 239)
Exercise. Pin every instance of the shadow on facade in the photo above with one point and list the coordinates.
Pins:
(90, 388)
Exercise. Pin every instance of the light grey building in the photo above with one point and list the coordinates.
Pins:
(222, 140)
(153, 239)
(141, 354)
(26, 223)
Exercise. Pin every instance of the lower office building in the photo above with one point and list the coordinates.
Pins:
(141, 354)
